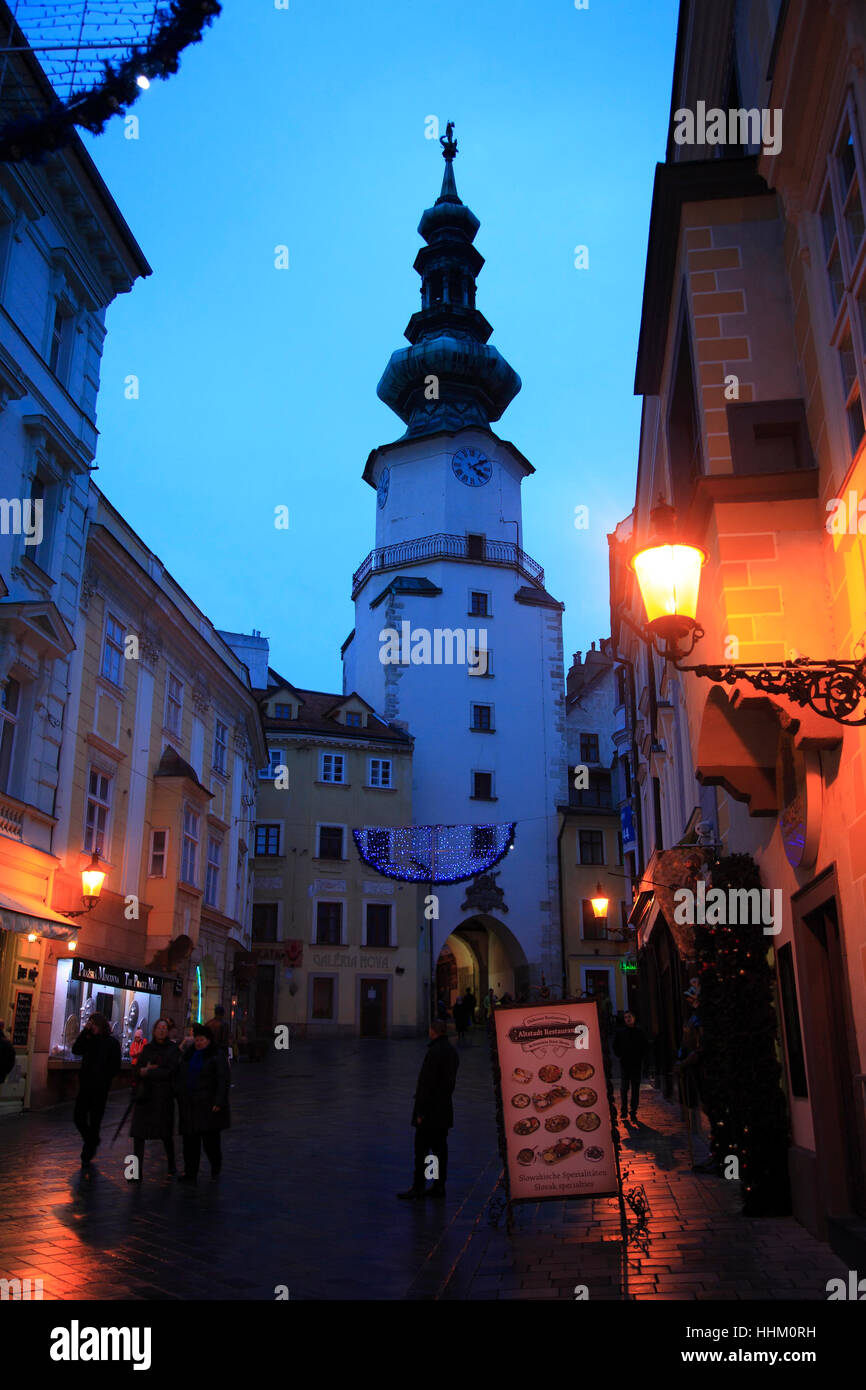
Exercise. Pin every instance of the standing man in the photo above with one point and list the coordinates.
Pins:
(100, 1063)
(219, 1028)
(433, 1114)
(631, 1046)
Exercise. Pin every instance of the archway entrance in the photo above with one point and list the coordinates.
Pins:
(480, 954)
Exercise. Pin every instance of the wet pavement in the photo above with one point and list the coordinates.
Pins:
(319, 1145)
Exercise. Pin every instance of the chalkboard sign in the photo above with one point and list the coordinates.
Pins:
(21, 1023)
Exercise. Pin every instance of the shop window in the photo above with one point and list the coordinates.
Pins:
(191, 838)
(97, 812)
(212, 872)
(378, 924)
(76, 999)
(322, 1004)
(329, 924)
(158, 853)
(112, 650)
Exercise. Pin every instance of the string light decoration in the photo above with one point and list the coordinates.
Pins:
(433, 853)
(68, 63)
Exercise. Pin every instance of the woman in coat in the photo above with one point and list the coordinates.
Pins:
(202, 1087)
(153, 1111)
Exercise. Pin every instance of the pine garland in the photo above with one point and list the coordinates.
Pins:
(740, 1073)
(33, 137)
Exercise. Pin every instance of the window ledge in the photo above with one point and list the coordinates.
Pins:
(474, 730)
(320, 783)
(368, 787)
(190, 888)
(484, 798)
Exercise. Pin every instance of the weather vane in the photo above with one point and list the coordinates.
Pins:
(448, 143)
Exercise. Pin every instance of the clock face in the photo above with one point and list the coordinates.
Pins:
(382, 489)
(472, 467)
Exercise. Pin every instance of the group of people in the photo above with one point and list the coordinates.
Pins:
(192, 1076)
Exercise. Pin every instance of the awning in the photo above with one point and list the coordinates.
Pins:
(23, 914)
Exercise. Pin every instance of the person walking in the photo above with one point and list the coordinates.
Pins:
(471, 1004)
(459, 1012)
(202, 1089)
(433, 1113)
(7, 1055)
(153, 1111)
(631, 1046)
(100, 1063)
(137, 1046)
(219, 1028)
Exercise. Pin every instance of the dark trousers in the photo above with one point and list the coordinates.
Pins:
(430, 1141)
(88, 1113)
(631, 1077)
(209, 1139)
(168, 1145)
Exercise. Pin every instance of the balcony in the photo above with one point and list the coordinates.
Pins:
(446, 547)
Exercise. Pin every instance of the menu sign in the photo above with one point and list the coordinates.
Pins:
(554, 1102)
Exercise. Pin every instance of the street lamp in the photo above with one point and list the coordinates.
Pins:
(668, 572)
(92, 879)
(599, 902)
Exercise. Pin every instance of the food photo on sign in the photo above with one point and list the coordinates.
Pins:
(553, 1101)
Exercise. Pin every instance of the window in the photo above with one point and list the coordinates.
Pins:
(479, 657)
(158, 853)
(282, 711)
(589, 748)
(482, 786)
(476, 546)
(98, 806)
(379, 844)
(591, 847)
(332, 767)
(173, 704)
(112, 650)
(619, 847)
(322, 1004)
(42, 494)
(482, 719)
(354, 719)
(598, 793)
(58, 351)
(276, 760)
(330, 842)
(267, 840)
(265, 917)
(479, 604)
(483, 840)
(378, 924)
(594, 928)
(220, 745)
(329, 924)
(380, 772)
(842, 230)
(212, 873)
(9, 696)
(189, 852)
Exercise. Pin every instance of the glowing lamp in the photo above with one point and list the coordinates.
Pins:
(73, 944)
(599, 902)
(92, 879)
(143, 82)
(669, 576)
(32, 936)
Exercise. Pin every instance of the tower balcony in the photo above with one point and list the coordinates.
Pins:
(473, 549)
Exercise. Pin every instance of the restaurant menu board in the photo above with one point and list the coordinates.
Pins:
(554, 1102)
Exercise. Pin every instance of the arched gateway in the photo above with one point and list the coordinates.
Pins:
(479, 954)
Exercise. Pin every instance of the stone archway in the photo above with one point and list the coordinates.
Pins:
(495, 954)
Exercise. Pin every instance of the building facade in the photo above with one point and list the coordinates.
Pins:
(752, 369)
(456, 638)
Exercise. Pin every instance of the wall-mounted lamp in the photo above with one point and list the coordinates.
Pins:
(92, 879)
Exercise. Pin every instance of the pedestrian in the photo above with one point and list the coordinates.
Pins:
(172, 1030)
(433, 1113)
(442, 1009)
(202, 1089)
(470, 1004)
(460, 1016)
(631, 1046)
(136, 1047)
(100, 1063)
(153, 1111)
(219, 1028)
(7, 1056)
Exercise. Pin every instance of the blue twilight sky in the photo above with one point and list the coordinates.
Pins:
(305, 127)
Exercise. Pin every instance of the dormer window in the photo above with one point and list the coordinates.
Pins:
(354, 718)
(282, 711)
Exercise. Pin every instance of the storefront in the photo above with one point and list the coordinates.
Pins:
(129, 999)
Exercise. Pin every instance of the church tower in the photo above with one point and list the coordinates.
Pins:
(456, 637)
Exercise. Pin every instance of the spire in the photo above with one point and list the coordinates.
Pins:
(449, 377)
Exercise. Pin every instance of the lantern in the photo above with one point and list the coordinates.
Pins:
(669, 575)
(92, 879)
(599, 902)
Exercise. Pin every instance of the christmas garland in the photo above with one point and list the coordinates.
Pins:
(33, 137)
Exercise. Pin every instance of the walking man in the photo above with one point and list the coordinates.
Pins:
(631, 1046)
(100, 1063)
(433, 1114)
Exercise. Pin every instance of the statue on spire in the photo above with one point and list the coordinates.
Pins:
(448, 143)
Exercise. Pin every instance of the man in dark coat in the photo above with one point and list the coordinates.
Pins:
(432, 1114)
(153, 1112)
(631, 1046)
(202, 1086)
(470, 1004)
(100, 1063)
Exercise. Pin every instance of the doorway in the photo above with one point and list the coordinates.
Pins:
(374, 1008)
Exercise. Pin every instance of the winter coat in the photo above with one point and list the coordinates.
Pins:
(100, 1059)
(153, 1111)
(220, 1031)
(631, 1045)
(436, 1086)
(210, 1087)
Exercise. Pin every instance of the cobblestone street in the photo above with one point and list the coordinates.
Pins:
(320, 1143)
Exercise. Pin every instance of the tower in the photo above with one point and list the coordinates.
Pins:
(456, 637)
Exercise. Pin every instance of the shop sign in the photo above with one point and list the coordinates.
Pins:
(115, 976)
(555, 1115)
(628, 967)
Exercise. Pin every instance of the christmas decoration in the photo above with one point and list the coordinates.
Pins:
(434, 853)
(95, 59)
(739, 1076)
